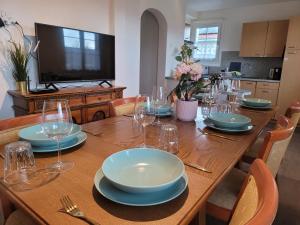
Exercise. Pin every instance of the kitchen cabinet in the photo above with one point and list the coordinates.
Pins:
(290, 79)
(294, 34)
(254, 39)
(269, 94)
(262, 89)
(250, 86)
(264, 39)
(276, 38)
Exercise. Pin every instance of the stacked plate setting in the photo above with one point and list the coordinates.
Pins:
(256, 103)
(41, 143)
(228, 122)
(141, 177)
(163, 110)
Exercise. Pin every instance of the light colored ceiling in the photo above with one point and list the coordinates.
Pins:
(207, 5)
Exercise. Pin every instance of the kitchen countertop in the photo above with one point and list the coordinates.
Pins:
(258, 79)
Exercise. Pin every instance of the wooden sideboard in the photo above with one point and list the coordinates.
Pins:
(87, 103)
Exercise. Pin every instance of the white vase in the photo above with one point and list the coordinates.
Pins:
(186, 110)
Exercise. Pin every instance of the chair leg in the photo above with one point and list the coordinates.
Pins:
(218, 212)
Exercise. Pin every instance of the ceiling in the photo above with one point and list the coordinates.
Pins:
(206, 5)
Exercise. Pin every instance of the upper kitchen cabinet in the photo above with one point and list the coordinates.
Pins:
(264, 39)
(254, 39)
(276, 38)
(294, 33)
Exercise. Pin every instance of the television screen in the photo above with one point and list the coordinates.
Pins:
(66, 54)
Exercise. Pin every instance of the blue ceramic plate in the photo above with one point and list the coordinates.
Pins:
(77, 140)
(245, 128)
(256, 107)
(114, 194)
(163, 109)
(256, 102)
(142, 170)
(35, 136)
(229, 120)
(164, 114)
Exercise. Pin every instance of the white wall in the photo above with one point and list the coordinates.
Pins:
(92, 15)
(119, 17)
(233, 19)
(127, 21)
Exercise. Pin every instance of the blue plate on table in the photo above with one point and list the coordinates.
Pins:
(245, 128)
(163, 109)
(36, 137)
(229, 120)
(77, 140)
(109, 191)
(256, 102)
(255, 107)
(169, 113)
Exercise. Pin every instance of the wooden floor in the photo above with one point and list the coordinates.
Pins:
(288, 181)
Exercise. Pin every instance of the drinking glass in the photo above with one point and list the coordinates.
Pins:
(168, 139)
(235, 85)
(145, 114)
(19, 163)
(57, 124)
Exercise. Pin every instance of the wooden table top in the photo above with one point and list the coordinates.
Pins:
(115, 134)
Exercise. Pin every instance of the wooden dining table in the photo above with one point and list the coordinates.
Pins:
(111, 135)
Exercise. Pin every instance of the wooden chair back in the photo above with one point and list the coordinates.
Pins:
(276, 143)
(9, 128)
(20, 121)
(258, 200)
(122, 106)
(293, 113)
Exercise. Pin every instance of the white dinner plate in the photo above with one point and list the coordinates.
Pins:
(109, 191)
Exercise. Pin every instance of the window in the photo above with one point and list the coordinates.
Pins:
(207, 41)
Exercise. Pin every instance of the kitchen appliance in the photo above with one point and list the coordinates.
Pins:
(275, 73)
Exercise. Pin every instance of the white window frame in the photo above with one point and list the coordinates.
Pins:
(202, 24)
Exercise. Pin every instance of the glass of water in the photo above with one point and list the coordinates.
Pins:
(168, 139)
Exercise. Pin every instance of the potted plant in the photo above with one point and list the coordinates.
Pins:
(188, 73)
(19, 58)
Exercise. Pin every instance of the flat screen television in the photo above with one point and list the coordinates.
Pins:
(72, 55)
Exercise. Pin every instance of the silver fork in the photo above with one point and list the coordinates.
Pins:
(72, 209)
(216, 135)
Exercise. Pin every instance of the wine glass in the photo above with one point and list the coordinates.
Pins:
(159, 101)
(145, 114)
(57, 124)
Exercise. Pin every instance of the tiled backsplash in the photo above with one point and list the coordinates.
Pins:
(251, 67)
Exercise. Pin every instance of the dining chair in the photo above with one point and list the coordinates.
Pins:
(123, 106)
(293, 113)
(222, 201)
(20, 121)
(9, 129)
(258, 199)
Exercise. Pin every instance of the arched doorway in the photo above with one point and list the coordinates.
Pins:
(153, 50)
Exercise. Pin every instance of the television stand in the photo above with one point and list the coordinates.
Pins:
(105, 82)
(51, 85)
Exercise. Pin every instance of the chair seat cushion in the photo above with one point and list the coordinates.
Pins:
(225, 194)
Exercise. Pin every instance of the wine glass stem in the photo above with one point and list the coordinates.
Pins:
(58, 152)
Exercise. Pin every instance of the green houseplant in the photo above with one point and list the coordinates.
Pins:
(190, 82)
(19, 57)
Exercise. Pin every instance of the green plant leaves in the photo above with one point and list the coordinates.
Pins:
(19, 58)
